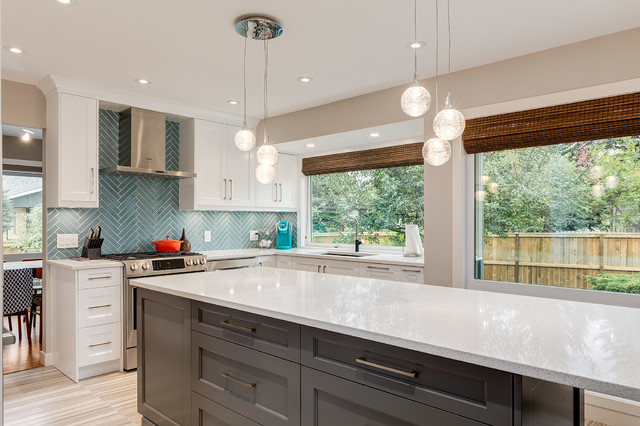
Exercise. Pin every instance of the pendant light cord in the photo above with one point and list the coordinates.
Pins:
(415, 39)
(244, 84)
(266, 92)
(449, 53)
(437, 53)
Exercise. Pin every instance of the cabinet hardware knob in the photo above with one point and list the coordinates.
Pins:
(100, 344)
(231, 189)
(377, 267)
(99, 306)
(238, 327)
(93, 183)
(411, 270)
(363, 360)
(225, 189)
(239, 381)
(101, 277)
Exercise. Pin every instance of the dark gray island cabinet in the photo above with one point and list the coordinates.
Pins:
(202, 364)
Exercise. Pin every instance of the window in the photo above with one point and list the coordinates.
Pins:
(381, 200)
(22, 214)
(555, 212)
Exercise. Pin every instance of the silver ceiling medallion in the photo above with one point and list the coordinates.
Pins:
(258, 28)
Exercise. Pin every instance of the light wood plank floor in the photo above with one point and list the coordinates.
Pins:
(44, 396)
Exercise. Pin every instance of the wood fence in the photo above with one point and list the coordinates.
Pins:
(329, 237)
(559, 259)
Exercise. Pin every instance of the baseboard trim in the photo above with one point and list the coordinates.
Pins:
(611, 410)
(46, 358)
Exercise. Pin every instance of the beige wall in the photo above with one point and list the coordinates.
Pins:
(14, 147)
(605, 60)
(22, 105)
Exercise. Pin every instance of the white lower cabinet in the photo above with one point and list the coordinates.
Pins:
(325, 266)
(266, 261)
(86, 312)
(283, 261)
(410, 274)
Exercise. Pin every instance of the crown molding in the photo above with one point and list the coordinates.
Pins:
(117, 99)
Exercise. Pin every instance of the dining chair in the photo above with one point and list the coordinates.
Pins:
(36, 306)
(18, 297)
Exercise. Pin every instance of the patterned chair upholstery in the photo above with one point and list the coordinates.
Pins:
(18, 296)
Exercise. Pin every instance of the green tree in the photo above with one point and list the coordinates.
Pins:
(31, 240)
(8, 215)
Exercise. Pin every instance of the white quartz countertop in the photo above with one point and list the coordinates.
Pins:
(386, 258)
(590, 346)
(85, 264)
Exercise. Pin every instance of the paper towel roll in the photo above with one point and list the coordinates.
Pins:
(413, 244)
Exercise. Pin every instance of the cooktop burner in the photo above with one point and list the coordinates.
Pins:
(147, 255)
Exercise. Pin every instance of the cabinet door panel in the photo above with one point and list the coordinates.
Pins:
(287, 182)
(210, 159)
(240, 172)
(329, 401)
(78, 151)
(304, 264)
(99, 344)
(341, 267)
(205, 412)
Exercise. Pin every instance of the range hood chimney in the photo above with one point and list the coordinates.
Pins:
(141, 149)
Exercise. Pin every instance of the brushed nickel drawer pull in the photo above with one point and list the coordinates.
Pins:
(101, 277)
(99, 306)
(238, 327)
(378, 267)
(100, 344)
(411, 270)
(364, 361)
(239, 381)
(225, 189)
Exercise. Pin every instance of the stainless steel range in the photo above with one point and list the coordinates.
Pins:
(138, 265)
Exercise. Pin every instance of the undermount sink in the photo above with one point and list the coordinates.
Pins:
(348, 254)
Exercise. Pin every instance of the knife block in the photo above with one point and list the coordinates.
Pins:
(92, 248)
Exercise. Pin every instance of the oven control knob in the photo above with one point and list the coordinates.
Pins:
(189, 262)
(134, 266)
(145, 266)
(202, 261)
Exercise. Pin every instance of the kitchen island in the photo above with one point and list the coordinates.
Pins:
(271, 346)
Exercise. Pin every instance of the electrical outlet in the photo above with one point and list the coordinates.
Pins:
(207, 236)
(253, 235)
(67, 240)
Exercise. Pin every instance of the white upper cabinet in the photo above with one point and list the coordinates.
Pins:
(281, 193)
(71, 151)
(224, 178)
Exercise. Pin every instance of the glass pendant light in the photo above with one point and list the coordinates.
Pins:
(449, 123)
(416, 100)
(244, 139)
(267, 154)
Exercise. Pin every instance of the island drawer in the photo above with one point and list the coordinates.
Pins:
(473, 391)
(270, 335)
(205, 412)
(331, 401)
(263, 387)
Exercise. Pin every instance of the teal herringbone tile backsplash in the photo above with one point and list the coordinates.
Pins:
(135, 211)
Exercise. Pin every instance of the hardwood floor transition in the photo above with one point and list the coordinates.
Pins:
(21, 355)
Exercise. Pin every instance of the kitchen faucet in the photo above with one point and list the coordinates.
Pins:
(358, 242)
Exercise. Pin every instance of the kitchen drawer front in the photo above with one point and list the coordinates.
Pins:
(475, 392)
(98, 306)
(100, 277)
(283, 262)
(273, 336)
(410, 274)
(99, 344)
(262, 387)
(205, 412)
(266, 261)
(378, 271)
(331, 401)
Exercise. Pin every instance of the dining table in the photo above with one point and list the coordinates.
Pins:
(28, 264)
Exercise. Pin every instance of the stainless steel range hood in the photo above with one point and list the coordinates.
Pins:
(141, 150)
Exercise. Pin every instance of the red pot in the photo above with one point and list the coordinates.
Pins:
(167, 245)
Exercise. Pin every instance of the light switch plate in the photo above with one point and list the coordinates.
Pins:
(67, 240)
(207, 236)
(253, 235)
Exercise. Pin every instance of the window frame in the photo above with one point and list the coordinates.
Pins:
(535, 290)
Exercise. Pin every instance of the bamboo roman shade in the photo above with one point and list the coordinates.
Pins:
(379, 158)
(576, 122)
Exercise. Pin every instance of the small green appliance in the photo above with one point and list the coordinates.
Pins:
(283, 235)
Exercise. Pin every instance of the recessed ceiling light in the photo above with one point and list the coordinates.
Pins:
(64, 1)
(311, 145)
(14, 49)
(232, 102)
(416, 44)
(27, 135)
(374, 134)
(304, 79)
(142, 81)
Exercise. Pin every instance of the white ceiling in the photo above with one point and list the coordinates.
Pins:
(191, 54)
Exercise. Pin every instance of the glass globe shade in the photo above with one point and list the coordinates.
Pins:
(436, 151)
(611, 182)
(449, 124)
(480, 195)
(415, 101)
(493, 187)
(244, 139)
(597, 190)
(265, 173)
(484, 179)
(267, 155)
(595, 172)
